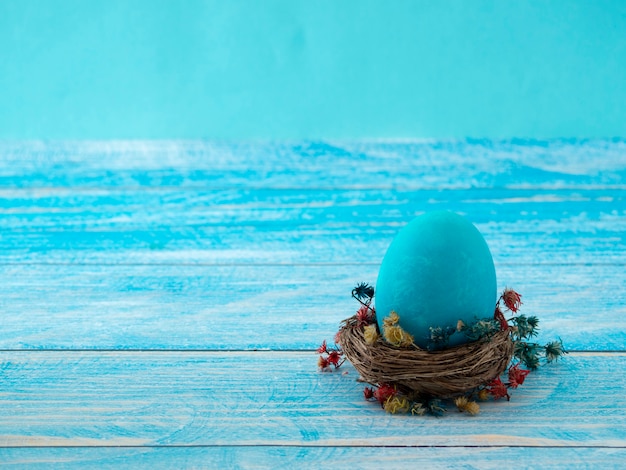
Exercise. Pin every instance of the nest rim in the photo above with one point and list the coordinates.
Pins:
(443, 373)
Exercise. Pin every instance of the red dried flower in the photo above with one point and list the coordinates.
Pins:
(517, 375)
(512, 300)
(499, 316)
(334, 358)
(383, 392)
(323, 348)
(323, 363)
(368, 393)
(497, 389)
(364, 315)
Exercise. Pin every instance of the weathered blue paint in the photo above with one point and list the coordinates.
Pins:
(313, 457)
(113, 398)
(220, 307)
(202, 254)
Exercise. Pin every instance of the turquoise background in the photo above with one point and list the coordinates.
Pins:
(234, 69)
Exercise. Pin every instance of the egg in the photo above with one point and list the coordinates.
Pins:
(437, 271)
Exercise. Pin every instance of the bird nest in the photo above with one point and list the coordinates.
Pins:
(443, 373)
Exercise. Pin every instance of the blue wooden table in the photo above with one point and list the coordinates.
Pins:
(161, 302)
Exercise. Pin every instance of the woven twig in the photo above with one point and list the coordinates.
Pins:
(444, 373)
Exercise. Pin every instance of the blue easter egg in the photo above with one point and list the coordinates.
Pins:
(438, 270)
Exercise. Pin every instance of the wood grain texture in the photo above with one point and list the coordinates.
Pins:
(309, 457)
(299, 225)
(375, 164)
(273, 398)
(264, 306)
(160, 301)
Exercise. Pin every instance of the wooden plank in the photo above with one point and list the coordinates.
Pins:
(309, 457)
(73, 399)
(409, 164)
(264, 306)
(298, 226)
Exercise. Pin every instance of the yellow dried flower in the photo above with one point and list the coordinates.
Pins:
(392, 319)
(472, 408)
(370, 334)
(396, 336)
(483, 395)
(396, 404)
(460, 325)
(393, 333)
(463, 404)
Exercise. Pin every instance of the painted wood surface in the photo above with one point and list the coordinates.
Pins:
(160, 301)
(272, 398)
(217, 307)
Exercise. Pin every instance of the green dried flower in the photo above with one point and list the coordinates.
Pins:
(481, 330)
(528, 354)
(527, 327)
(439, 337)
(554, 350)
(435, 407)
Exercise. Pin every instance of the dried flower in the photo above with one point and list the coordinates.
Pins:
(483, 394)
(370, 334)
(497, 389)
(554, 350)
(481, 330)
(463, 404)
(517, 375)
(368, 393)
(396, 336)
(527, 353)
(329, 356)
(392, 319)
(363, 291)
(472, 408)
(439, 337)
(323, 363)
(365, 315)
(383, 392)
(511, 299)
(435, 407)
(418, 409)
(527, 327)
(334, 358)
(396, 404)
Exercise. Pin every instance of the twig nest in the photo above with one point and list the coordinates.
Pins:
(445, 373)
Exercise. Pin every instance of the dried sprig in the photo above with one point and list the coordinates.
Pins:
(364, 293)
(525, 327)
(554, 350)
(329, 357)
(481, 330)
